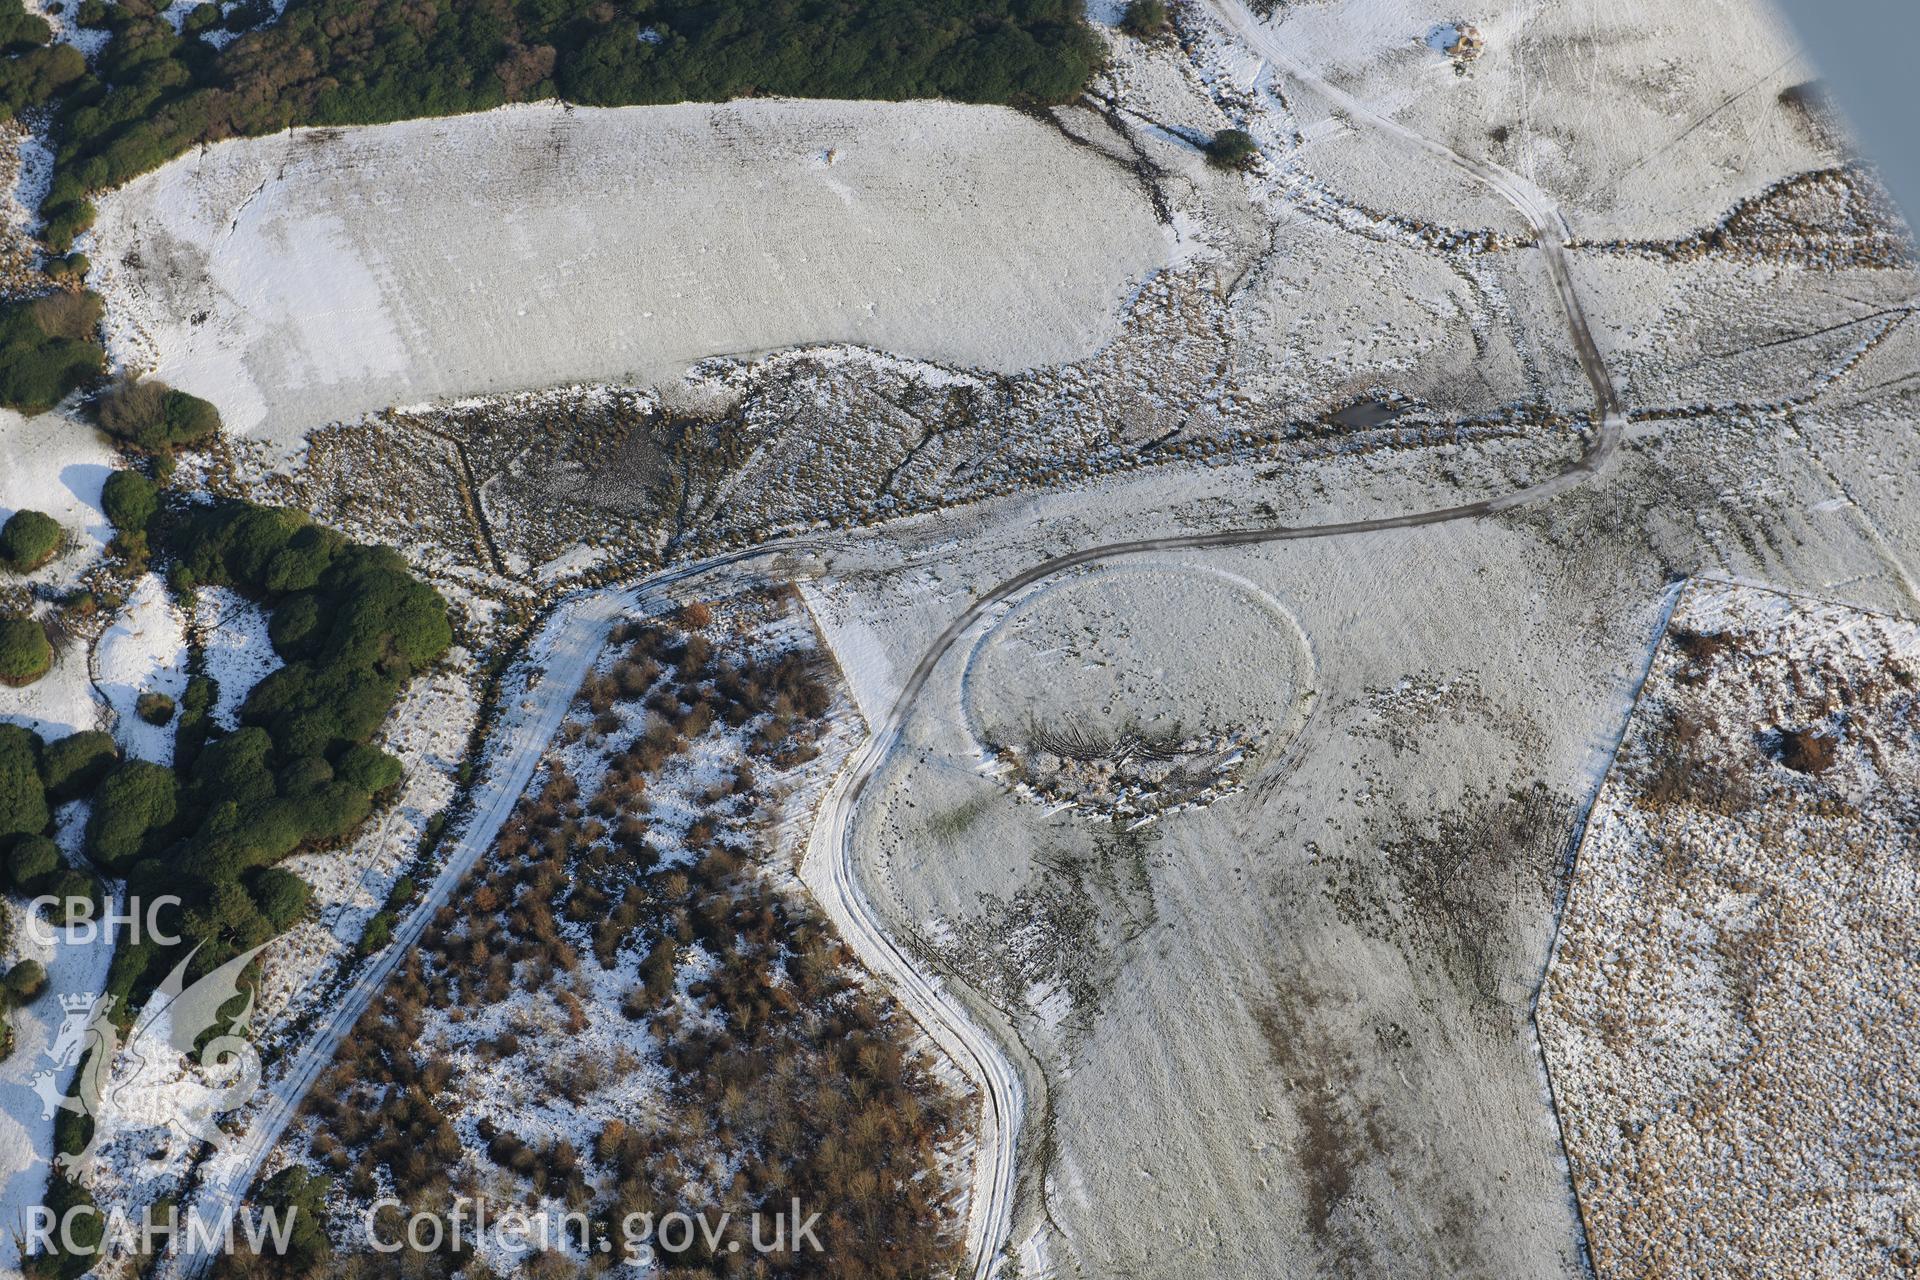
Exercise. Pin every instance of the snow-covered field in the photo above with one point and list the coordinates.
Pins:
(144, 651)
(56, 464)
(1232, 968)
(1645, 119)
(318, 274)
(1339, 961)
(1139, 650)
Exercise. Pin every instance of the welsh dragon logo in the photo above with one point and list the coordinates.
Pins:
(144, 1078)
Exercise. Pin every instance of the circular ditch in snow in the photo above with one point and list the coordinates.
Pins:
(1129, 693)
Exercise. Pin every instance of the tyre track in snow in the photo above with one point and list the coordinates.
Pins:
(992, 1203)
(1533, 204)
(829, 863)
(829, 860)
(830, 857)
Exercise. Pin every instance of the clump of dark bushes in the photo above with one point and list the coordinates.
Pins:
(352, 626)
(25, 652)
(32, 72)
(49, 347)
(28, 540)
(1808, 750)
(153, 417)
(1232, 149)
(297, 1199)
(1144, 18)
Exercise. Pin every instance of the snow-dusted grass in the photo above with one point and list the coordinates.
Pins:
(57, 464)
(317, 274)
(75, 968)
(26, 168)
(144, 651)
(1643, 118)
(237, 650)
(1729, 1014)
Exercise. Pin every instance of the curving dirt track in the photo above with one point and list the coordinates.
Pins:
(992, 1203)
(829, 866)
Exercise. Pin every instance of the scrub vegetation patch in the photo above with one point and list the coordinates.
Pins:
(633, 1009)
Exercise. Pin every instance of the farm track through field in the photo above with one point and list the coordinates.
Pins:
(996, 1172)
(940, 1010)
